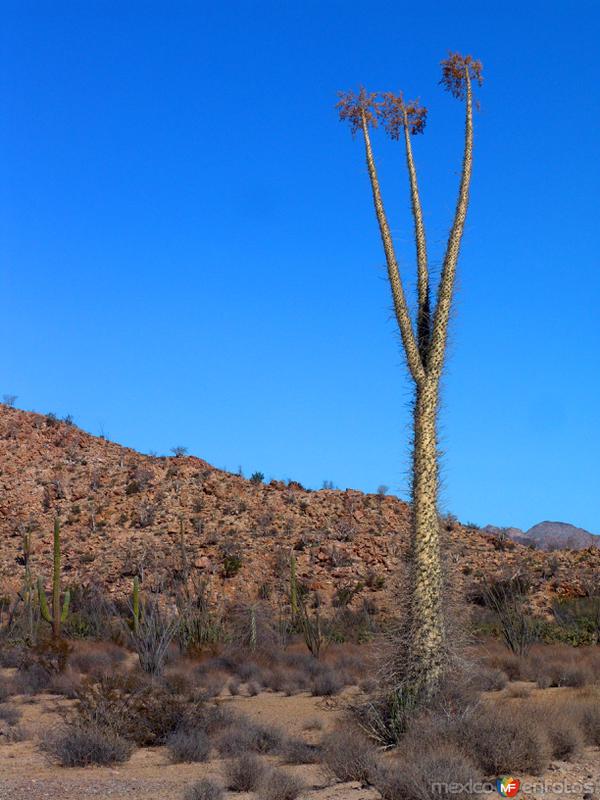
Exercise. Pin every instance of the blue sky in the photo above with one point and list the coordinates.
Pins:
(189, 253)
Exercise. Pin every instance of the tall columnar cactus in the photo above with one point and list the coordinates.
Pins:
(28, 591)
(424, 344)
(293, 587)
(59, 613)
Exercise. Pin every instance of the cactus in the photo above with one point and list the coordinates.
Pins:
(424, 344)
(28, 591)
(293, 587)
(59, 613)
(135, 605)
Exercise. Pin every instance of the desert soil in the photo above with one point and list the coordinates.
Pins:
(25, 774)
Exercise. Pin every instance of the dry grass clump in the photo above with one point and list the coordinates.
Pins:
(188, 746)
(276, 784)
(83, 745)
(245, 773)
(203, 790)
(349, 755)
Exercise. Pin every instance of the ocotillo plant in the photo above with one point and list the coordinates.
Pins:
(424, 344)
(59, 613)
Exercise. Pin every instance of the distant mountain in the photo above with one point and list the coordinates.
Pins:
(560, 535)
(549, 536)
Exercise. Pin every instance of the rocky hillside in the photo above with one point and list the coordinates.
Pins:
(122, 513)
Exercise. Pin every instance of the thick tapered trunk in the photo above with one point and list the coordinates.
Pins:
(427, 627)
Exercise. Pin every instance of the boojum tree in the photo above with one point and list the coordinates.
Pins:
(424, 343)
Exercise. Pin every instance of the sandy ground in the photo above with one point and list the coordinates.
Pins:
(25, 774)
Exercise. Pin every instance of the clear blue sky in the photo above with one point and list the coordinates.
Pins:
(189, 253)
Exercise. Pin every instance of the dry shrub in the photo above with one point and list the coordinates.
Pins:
(489, 679)
(141, 712)
(11, 655)
(586, 706)
(509, 663)
(349, 755)
(32, 678)
(215, 718)
(561, 665)
(562, 725)
(326, 683)
(424, 772)
(245, 773)
(518, 691)
(243, 736)
(314, 724)
(505, 738)
(297, 751)
(178, 681)
(188, 746)
(203, 790)
(6, 689)
(96, 658)
(16, 733)
(66, 683)
(280, 785)
(10, 714)
(82, 745)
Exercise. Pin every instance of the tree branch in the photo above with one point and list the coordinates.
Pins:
(424, 311)
(444, 300)
(413, 358)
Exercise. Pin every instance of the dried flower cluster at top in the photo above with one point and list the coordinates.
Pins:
(455, 69)
(356, 107)
(398, 114)
(391, 108)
